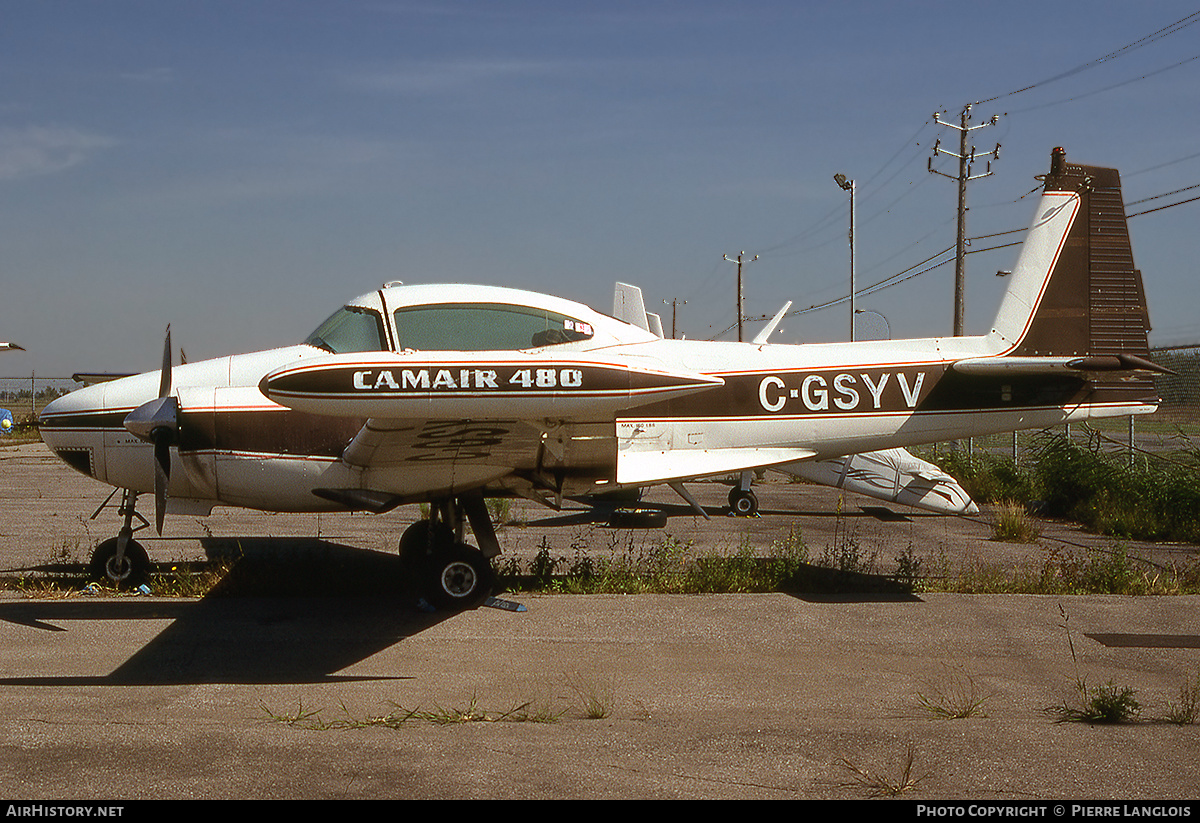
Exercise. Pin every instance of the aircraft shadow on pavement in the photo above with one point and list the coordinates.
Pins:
(288, 611)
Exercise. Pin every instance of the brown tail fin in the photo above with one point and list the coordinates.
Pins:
(1093, 302)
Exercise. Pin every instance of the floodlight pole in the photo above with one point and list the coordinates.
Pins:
(848, 185)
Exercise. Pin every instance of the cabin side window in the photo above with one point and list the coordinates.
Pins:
(349, 329)
(484, 327)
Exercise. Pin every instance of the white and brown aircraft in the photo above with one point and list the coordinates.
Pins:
(448, 394)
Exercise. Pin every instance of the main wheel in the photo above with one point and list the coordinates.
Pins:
(459, 578)
(421, 541)
(743, 503)
(129, 573)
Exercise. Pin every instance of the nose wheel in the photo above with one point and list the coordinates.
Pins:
(119, 569)
(121, 561)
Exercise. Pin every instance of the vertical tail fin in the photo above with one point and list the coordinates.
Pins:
(1075, 291)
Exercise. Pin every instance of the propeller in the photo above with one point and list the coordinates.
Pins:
(157, 422)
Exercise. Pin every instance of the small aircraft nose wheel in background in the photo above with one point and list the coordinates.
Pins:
(743, 503)
(129, 573)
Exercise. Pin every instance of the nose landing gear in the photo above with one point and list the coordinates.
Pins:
(121, 562)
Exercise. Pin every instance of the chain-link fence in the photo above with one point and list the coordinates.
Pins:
(1174, 427)
(25, 396)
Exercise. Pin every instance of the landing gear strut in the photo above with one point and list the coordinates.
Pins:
(121, 562)
(742, 501)
(449, 573)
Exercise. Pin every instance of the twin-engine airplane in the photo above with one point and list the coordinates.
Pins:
(449, 394)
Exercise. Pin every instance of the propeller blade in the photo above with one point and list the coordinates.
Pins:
(162, 473)
(157, 422)
(164, 384)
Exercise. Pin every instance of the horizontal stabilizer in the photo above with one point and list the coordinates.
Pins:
(1014, 366)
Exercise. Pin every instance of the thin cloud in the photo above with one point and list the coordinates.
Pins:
(36, 150)
(440, 77)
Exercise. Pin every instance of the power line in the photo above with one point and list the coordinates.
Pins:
(1161, 208)
(1106, 88)
(1153, 37)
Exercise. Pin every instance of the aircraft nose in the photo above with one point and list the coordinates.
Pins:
(72, 426)
(55, 407)
(70, 407)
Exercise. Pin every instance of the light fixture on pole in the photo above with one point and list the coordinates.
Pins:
(848, 185)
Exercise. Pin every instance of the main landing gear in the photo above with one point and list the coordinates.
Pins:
(742, 501)
(449, 573)
(121, 562)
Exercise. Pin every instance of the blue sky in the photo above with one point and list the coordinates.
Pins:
(240, 169)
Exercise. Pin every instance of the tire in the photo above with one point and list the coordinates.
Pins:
(459, 578)
(743, 503)
(132, 573)
(638, 519)
(419, 543)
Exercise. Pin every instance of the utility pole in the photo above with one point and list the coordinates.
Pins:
(740, 314)
(675, 303)
(966, 157)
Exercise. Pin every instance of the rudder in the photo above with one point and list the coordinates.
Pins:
(1092, 303)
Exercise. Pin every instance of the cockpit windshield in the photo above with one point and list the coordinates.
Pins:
(349, 329)
(484, 327)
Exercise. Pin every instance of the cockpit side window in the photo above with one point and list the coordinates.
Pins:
(349, 329)
(484, 327)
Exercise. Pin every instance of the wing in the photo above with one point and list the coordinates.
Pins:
(402, 461)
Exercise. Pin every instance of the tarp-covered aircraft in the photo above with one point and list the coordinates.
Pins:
(7, 423)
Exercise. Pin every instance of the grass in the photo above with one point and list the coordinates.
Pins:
(595, 700)
(399, 716)
(666, 566)
(1012, 523)
(629, 563)
(1061, 571)
(1187, 710)
(183, 580)
(956, 699)
(1106, 704)
(1157, 497)
(880, 784)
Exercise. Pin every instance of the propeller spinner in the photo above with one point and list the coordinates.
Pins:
(157, 422)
